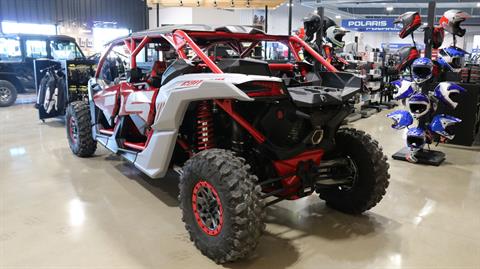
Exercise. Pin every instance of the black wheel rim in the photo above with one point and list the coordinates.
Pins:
(207, 208)
(5, 94)
(352, 175)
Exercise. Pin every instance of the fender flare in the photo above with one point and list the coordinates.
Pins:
(171, 107)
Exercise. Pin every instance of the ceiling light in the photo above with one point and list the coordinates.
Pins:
(389, 8)
(478, 4)
(338, 17)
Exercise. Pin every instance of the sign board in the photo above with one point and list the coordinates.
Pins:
(371, 25)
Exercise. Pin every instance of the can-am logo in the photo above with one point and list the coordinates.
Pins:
(367, 23)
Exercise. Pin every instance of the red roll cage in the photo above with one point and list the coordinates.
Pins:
(179, 39)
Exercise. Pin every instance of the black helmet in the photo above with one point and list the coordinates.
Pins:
(410, 22)
(311, 25)
(407, 56)
(451, 20)
(327, 23)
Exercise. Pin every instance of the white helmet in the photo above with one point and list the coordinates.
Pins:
(451, 20)
(444, 90)
(404, 89)
(335, 36)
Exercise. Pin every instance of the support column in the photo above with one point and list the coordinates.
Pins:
(429, 30)
(158, 14)
(266, 19)
(319, 38)
(290, 6)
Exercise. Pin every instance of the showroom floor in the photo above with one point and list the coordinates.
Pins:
(58, 210)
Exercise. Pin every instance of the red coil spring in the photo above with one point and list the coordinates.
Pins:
(204, 126)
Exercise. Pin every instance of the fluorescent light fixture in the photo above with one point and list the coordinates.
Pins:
(478, 4)
(338, 17)
(10, 27)
(389, 8)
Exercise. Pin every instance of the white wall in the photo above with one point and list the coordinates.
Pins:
(277, 19)
(171, 15)
(216, 17)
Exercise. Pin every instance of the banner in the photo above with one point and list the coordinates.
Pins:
(371, 25)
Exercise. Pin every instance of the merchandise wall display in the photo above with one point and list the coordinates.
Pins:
(248, 133)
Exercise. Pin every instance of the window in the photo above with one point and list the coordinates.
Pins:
(101, 36)
(116, 65)
(222, 51)
(36, 48)
(65, 50)
(10, 50)
(275, 51)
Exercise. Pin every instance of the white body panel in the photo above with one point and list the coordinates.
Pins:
(171, 104)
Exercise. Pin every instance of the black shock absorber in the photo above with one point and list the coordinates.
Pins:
(238, 137)
(205, 135)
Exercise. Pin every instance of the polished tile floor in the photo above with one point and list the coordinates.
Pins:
(60, 211)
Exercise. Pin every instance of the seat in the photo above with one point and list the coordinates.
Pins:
(158, 69)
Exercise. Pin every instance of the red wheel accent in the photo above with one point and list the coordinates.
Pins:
(72, 124)
(207, 208)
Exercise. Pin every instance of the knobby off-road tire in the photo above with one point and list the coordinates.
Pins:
(79, 129)
(372, 173)
(228, 179)
(8, 93)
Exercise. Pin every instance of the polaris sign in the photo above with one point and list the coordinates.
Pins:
(371, 25)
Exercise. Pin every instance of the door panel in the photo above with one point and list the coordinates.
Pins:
(136, 101)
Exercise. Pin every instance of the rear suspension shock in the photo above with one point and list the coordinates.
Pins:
(205, 136)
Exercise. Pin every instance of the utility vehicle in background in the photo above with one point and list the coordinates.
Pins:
(17, 55)
(247, 133)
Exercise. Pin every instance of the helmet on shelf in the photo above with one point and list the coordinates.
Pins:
(422, 69)
(416, 138)
(419, 105)
(444, 92)
(404, 88)
(410, 22)
(407, 55)
(454, 56)
(451, 20)
(444, 125)
(437, 37)
(335, 36)
(401, 119)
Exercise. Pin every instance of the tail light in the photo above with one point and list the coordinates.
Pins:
(262, 88)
